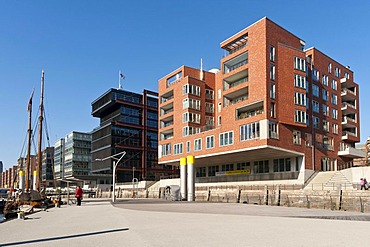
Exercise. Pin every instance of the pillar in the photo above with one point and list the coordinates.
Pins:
(191, 178)
(34, 180)
(183, 182)
(22, 180)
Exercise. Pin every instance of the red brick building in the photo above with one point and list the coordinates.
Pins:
(274, 111)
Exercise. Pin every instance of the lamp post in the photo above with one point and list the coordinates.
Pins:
(115, 164)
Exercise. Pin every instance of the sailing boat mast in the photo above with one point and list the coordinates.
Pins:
(28, 161)
(39, 153)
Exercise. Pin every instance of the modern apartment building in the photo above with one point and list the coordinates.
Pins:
(276, 111)
(59, 150)
(77, 158)
(47, 176)
(128, 122)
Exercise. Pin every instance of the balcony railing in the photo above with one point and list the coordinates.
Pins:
(346, 90)
(166, 112)
(163, 100)
(344, 104)
(346, 118)
(348, 133)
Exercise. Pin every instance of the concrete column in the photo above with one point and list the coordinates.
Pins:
(34, 180)
(191, 178)
(22, 180)
(183, 179)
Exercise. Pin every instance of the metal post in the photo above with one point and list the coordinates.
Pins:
(183, 179)
(191, 178)
(114, 181)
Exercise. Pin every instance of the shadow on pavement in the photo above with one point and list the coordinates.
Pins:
(63, 237)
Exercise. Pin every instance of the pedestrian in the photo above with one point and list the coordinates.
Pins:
(366, 186)
(78, 195)
(362, 183)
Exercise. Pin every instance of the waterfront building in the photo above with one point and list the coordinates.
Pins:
(59, 158)
(47, 176)
(8, 178)
(128, 122)
(275, 111)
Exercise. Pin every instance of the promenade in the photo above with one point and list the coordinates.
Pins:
(154, 222)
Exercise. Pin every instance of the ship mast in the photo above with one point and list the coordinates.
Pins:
(39, 153)
(28, 161)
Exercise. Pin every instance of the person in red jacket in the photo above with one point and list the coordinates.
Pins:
(78, 195)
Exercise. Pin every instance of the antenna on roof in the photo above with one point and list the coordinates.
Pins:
(120, 77)
(201, 69)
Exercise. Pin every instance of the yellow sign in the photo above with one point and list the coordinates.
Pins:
(236, 172)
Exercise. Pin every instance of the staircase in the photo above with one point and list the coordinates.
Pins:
(329, 181)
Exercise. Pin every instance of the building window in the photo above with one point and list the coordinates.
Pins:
(197, 144)
(250, 131)
(315, 90)
(210, 142)
(325, 125)
(300, 63)
(300, 81)
(337, 72)
(219, 94)
(334, 99)
(166, 149)
(191, 103)
(209, 94)
(210, 107)
(346, 75)
(325, 80)
(243, 166)
(325, 95)
(325, 110)
(308, 140)
(210, 121)
(190, 117)
(272, 110)
(272, 53)
(226, 138)
(273, 130)
(315, 75)
(282, 165)
(272, 90)
(272, 72)
(334, 128)
(329, 67)
(316, 122)
(261, 166)
(300, 116)
(334, 84)
(188, 146)
(191, 89)
(219, 106)
(227, 167)
(315, 106)
(177, 148)
(296, 137)
(334, 113)
(189, 130)
(201, 172)
(300, 99)
(219, 121)
(212, 170)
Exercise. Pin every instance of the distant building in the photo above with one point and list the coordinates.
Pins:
(8, 178)
(59, 159)
(22, 165)
(47, 176)
(1, 166)
(128, 122)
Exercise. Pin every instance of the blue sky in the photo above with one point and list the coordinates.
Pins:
(81, 45)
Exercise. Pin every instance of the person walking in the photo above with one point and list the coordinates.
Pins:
(362, 183)
(78, 195)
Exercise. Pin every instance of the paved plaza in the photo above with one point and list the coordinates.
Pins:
(153, 222)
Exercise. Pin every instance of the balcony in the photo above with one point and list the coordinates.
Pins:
(236, 96)
(346, 83)
(167, 134)
(167, 97)
(166, 109)
(350, 152)
(348, 121)
(235, 63)
(236, 79)
(348, 94)
(237, 44)
(348, 108)
(250, 110)
(349, 135)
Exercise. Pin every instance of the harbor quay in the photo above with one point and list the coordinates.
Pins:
(157, 222)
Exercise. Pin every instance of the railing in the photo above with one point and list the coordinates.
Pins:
(234, 84)
(228, 69)
(249, 114)
(346, 118)
(344, 104)
(166, 99)
(346, 90)
(349, 133)
(166, 112)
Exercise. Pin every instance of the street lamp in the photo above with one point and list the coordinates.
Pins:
(115, 164)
